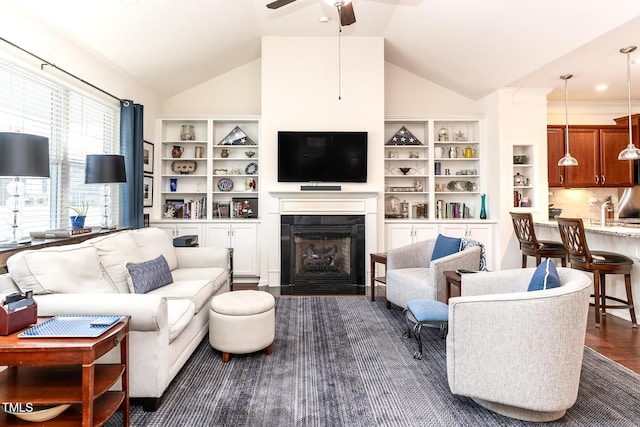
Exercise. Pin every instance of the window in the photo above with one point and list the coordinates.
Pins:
(76, 125)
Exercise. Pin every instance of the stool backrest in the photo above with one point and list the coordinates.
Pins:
(523, 227)
(575, 241)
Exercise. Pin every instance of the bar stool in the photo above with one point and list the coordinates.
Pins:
(600, 263)
(531, 246)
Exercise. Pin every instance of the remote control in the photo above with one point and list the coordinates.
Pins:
(464, 271)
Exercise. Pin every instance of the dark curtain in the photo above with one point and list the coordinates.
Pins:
(132, 147)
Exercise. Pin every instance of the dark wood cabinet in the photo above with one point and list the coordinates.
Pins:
(596, 149)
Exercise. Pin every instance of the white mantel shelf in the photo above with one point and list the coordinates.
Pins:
(318, 203)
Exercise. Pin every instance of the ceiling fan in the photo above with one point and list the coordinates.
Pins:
(345, 9)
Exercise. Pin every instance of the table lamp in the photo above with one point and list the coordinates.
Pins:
(105, 169)
(21, 155)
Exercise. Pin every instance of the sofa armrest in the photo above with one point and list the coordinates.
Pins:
(202, 257)
(148, 312)
(410, 256)
(468, 259)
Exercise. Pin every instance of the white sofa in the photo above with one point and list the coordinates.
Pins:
(91, 277)
(515, 352)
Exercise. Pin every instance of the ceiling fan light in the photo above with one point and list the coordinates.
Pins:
(568, 160)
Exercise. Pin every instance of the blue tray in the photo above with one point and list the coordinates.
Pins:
(71, 327)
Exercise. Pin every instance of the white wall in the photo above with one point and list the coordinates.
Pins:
(36, 37)
(407, 94)
(237, 92)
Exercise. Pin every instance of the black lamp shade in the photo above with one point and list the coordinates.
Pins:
(104, 168)
(23, 155)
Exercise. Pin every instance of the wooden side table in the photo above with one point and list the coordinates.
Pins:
(453, 279)
(52, 371)
(379, 258)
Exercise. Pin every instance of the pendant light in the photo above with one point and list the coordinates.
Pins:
(631, 152)
(567, 160)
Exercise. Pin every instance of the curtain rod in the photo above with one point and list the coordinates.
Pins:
(45, 62)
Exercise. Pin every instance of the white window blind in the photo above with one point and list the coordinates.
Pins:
(76, 125)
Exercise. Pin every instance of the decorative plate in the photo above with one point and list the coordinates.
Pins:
(460, 186)
(251, 169)
(225, 184)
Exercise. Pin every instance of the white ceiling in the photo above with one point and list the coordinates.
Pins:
(472, 47)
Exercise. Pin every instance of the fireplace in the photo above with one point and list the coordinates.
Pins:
(322, 254)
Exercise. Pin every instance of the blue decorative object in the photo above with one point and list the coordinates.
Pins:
(483, 210)
(445, 246)
(71, 326)
(150, 275)
(545, 277)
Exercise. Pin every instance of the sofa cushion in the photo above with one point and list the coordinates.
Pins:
(180, 313)
(149, 275)
(545, 277)
(115, 251)
(60, 269)
(199, 292)
(445, 246)
(153, 242)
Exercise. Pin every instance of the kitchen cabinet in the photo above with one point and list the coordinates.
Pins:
(403, 233)
(596, 149)
(243, 238)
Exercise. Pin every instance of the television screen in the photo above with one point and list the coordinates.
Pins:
(322, 156)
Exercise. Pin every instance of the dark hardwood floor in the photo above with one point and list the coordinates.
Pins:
(615, 338)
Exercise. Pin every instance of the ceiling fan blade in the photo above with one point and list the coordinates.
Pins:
(347, 16)
(279, 3)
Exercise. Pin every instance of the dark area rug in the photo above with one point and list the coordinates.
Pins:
(342, 361)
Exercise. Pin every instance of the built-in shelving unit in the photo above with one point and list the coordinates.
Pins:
(523, 173)
(209, 168)
(439, 178)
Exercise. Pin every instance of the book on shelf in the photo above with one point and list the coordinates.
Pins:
(60, 232)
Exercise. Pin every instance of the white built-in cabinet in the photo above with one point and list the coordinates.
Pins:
(243, 238)
(403, 233)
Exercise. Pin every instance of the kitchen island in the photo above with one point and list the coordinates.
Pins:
(616, 236)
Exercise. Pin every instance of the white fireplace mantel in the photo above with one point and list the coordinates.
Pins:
(318, 203)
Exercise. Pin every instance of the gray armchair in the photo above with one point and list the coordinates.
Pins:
(411, 274)
(515, 352)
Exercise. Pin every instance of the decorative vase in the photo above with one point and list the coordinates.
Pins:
(177, 151)
(77, 221)
(187, 133)
(483, 210)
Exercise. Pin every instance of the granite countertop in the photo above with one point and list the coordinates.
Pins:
(614, 228)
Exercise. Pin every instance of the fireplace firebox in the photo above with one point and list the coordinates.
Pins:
(322, 254)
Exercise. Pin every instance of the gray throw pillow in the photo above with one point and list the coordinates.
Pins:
(150, 275)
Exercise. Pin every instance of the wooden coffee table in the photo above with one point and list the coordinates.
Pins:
(54, 371)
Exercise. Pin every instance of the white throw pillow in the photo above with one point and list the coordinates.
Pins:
(60, 269)
(153, 242)
(115, 251)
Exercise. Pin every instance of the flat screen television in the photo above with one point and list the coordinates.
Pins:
(322, 156)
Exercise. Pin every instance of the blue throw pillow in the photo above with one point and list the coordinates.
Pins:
(445, 246)
(545, 277)
(150, 275)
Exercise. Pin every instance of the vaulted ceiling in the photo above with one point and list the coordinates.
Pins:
(472, 47)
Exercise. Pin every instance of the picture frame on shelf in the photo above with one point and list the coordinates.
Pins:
(147, 157)
(147, 191)
(173, 209)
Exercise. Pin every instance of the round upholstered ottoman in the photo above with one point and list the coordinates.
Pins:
(242, 322)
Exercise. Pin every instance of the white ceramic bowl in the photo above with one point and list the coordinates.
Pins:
(40, 414)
